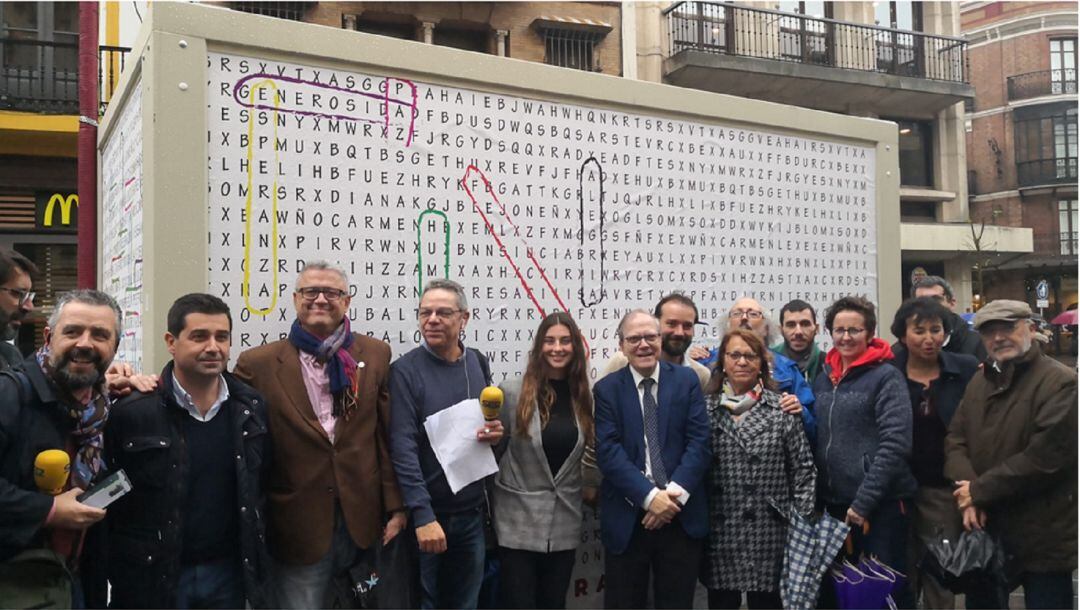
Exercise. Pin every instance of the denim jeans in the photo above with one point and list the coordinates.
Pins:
(215, 584)
(305, 586)
(452, 579)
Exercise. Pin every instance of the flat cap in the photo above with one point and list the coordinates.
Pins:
(1002, 310)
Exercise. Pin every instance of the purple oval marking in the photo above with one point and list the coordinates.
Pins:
(384, 97)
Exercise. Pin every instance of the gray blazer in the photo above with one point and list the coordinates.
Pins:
(533, 509)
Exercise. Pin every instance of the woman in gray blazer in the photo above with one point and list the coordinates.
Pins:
(546, 464)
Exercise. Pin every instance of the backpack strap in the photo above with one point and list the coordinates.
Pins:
(485, 365)
(25, 393)
(24, 383)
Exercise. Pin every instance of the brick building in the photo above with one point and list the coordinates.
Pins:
(1022, 142)
(898, 61)
(581, 35)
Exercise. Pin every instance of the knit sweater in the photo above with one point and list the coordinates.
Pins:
(422, 384)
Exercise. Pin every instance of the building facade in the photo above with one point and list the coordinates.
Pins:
(897, 61)
(902, 62)
(577, 35)
(39, 123)
(1022, 142)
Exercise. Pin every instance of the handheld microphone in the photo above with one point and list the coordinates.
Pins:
(491, 401)
(51, 470)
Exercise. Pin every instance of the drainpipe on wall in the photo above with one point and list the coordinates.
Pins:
(87, 144)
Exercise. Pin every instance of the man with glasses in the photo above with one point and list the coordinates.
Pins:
(16, 301)
(678, 316)
(438, 374)
(331, 492)
(961, 339)
(652, 447)
(1011, 448)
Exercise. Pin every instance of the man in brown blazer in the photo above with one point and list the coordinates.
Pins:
(332, 485)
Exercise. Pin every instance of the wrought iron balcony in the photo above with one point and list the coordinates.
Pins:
(1044, 82)
(1046, 172)
(43, 76)
(729, 29)
(110, 66)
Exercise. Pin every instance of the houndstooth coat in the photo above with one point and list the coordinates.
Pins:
(763, 460)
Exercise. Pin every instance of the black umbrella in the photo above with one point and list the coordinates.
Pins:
(974, 562)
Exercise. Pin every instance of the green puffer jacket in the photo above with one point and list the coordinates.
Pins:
(1014, 438)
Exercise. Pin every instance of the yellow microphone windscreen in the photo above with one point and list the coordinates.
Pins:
(51, 469)
(491, 400)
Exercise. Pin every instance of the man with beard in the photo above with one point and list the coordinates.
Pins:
(16, 300)
(197, 451)
(57, 401)
(798, 324)
(331, 494)
(678, 316)
(1011, 449)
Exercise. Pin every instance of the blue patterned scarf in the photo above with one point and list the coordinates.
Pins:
(89, 417)
(332, 351)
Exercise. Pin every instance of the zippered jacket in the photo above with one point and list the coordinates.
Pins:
(1014, 438)
(145, 437)
(864, 424)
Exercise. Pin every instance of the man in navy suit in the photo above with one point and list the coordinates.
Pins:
(652, 447)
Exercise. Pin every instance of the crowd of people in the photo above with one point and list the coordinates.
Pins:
(261, 487)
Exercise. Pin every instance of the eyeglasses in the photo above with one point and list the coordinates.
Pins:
(635, 339)
(24, 296)
(442, 313)
(851, 332)
(737, 356)
(332, 294)
(752, 314)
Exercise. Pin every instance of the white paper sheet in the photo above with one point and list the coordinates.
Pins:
(452, 433)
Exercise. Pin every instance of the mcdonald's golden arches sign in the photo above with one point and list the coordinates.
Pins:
(57, 212)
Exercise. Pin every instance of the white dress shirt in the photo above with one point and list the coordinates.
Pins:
(185, 401)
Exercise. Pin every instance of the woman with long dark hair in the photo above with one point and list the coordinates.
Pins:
(544, 474)
(762, 471)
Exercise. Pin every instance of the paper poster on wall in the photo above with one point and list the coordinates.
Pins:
(534, 206)
(121, 223)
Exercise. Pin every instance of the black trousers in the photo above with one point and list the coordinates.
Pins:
(528, 579)
(669, 554)
(724, 599)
